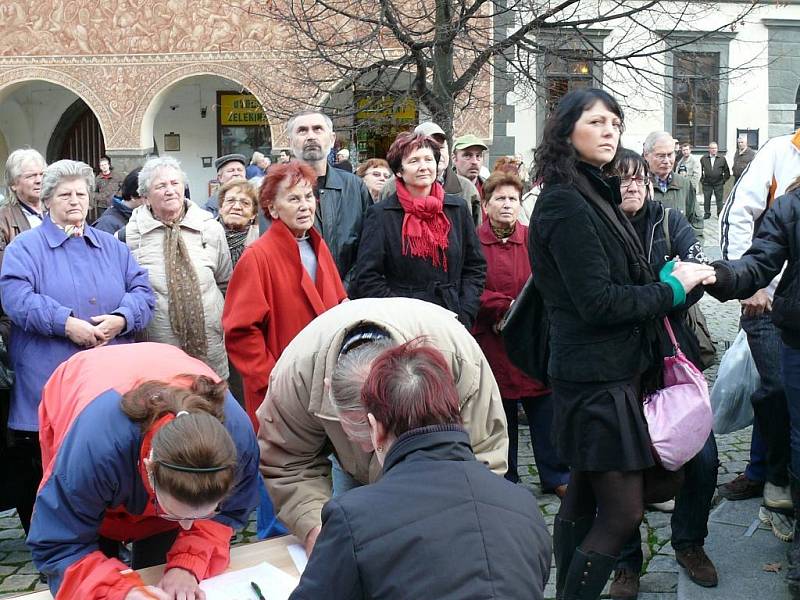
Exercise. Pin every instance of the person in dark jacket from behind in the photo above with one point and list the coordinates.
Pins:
(438, 524)
(116, 216)
(777, 241)
(420, 242)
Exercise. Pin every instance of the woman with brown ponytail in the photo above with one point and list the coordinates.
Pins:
(140, 443)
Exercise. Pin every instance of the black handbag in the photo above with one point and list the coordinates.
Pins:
(526, 331)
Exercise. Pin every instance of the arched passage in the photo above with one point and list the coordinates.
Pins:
(77, 136)
(197, 117)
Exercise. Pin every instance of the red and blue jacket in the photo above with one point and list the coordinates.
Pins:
(95, 481)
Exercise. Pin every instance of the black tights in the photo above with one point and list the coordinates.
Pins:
(614, 498)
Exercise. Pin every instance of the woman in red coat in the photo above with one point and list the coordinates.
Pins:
(281, 283)
(505, 245)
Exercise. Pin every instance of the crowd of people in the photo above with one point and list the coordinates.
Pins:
(327, 345)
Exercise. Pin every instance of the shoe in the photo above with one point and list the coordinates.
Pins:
(666, 507)
(567, 536)
(777, 497)
(741, 488)
(698, 566)
(588, 575)
(793, 555)
(782, 525)
(625, 585)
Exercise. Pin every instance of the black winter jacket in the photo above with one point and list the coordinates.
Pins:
(438, 524)
(383, 271)
(777, 241)
(596, 306)
(342, 202)
(114, 218)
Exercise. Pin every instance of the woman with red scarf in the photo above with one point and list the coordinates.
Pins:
(420, 242)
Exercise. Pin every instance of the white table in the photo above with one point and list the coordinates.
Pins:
(273, 550)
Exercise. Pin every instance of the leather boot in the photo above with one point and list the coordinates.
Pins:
(588, 575)
(793, 555)
(567, 536)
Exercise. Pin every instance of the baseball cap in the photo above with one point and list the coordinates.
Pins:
(429, 128)
(467, 141)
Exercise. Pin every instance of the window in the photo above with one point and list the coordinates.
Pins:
(242, 126)
(565, 74)
(696, 98)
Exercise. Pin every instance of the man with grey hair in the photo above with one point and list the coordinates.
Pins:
(743, 157)
(671, 189)
(342, 198)
(23, 209)
(300, 425)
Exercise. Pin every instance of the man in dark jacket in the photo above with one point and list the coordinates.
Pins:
(342, 197)
(117, 215)
(743, 157)
(715, 173)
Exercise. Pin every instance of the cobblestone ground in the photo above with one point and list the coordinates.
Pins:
(660, 580)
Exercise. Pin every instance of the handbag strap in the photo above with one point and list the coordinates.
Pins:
(671, 334)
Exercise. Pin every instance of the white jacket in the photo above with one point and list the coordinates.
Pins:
(772, 170)
(205, 239)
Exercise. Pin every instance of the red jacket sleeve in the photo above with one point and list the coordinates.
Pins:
(205, 549)
(97, 577)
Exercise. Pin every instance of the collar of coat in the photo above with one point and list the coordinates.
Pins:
(56, 236)
(486, 235)
(195, 218)
(435, 442)
(334, 179)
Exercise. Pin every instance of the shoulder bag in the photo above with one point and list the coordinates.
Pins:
(679, 415)
(526, 329)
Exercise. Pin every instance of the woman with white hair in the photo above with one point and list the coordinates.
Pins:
(66, 287)
(184, 250)
(23, 209)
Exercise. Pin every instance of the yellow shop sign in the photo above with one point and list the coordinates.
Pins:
(241, 110)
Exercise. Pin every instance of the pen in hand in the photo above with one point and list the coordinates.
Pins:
(257, 590)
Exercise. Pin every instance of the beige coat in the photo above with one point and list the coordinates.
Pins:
(298, 425)
(205, 240)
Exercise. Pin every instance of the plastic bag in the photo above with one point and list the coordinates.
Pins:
(737, 379)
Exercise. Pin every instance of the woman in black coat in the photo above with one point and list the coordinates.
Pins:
(438, 524)
(604, 304)
(420, 242)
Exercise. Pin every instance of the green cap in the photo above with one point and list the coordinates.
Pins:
(467, 141)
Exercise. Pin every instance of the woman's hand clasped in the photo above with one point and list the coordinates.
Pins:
(82, 333)
(108, 327)
(690, 274)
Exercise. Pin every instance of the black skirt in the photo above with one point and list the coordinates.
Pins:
(601, 426)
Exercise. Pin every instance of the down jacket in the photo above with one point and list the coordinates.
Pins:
(205, 239)
(437, 525)
(299, 426)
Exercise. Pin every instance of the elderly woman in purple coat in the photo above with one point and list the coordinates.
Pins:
(66, 287)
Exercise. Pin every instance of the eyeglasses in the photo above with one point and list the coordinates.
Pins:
(161, 514)
(245, 202)
(663, 157)
(627, 181)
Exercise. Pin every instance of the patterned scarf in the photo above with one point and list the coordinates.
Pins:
(186, 315)
(503, 233)
(425, 226)
(236, 239)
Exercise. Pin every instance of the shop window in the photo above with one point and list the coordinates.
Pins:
(567, 73)
(242, 125)
(696, 101)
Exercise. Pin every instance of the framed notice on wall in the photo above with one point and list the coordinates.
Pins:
(242, 125)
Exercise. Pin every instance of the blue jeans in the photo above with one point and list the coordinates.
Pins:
(790, 371)
(692, 505)
(769, 400)
(342, 480)
(756, 469)
(539, 410)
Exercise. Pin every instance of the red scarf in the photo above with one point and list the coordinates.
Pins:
(425, 226)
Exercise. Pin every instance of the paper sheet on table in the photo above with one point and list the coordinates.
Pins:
(235, 585)
(299, 558)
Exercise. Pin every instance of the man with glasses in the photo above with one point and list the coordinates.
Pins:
(671, 189)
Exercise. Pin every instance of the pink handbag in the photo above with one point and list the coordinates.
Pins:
(679, 416)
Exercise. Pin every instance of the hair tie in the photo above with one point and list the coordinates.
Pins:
(186, 469)
(181, 412)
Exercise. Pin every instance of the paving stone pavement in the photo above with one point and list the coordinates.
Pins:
(662, 580)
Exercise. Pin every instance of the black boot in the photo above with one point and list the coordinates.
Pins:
(588, 575)
(793, 555)
(567, 536)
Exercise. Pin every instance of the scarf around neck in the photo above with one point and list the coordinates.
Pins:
(236, 240)
(425, 226)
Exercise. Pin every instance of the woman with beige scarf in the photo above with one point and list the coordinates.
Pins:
(185, 253)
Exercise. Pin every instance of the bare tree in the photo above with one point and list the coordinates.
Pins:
(445, 53)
